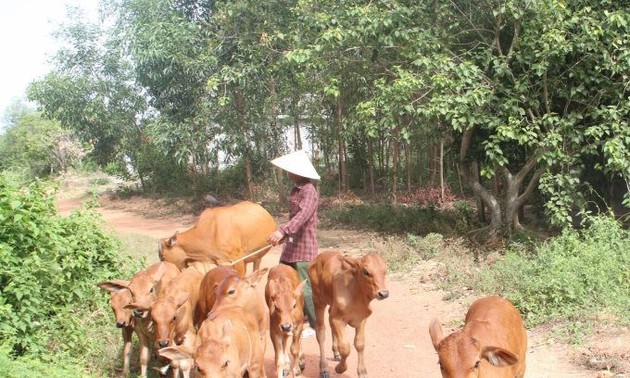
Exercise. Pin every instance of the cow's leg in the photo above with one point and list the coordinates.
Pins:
(296, 348)
(176, 365)
(337, 326)
(127, 332)
(278, 347)
(185, 367)
(359, 344)
(335, 341)
(144, 358)
(320, 333)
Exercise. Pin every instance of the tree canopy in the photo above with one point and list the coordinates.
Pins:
(509, 97)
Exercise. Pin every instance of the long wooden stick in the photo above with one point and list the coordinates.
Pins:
(250, 255)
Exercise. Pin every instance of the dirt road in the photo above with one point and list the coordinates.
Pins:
(397, 339)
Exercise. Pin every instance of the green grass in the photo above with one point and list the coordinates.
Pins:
(139, 246)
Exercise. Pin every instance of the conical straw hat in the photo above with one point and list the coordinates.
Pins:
(297, 163)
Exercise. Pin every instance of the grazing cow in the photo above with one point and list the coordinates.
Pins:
(347, 285)
(492, 343)
(222, 235)
(143, 289)
(208, 285)
(227, 346)
(241, 291)
(172, 314)
(283, 294)
(119, 298)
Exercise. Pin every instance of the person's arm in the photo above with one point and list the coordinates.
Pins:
(308, 205)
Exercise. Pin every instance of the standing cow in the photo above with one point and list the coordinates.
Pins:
(119, 298)
(143, 290)
(172, 314)
(492, 343)
(283, 294)
(222, 235)
(347, 285)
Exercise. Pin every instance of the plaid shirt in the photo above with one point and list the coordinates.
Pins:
(300, 242)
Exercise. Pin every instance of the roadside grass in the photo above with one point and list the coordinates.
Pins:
(576, 280)
(138, 247)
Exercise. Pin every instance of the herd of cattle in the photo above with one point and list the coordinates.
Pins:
(200, 313)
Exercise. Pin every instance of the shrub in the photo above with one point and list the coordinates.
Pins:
(576, 275)
(48, 269)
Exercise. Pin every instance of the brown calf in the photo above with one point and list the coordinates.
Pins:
(492, 343)
(143, 290)
(241, 292)
(119, 298)
(172, 314)
(208, 285)
(227, 346)
(222, 235)
(347, 285)
(283, 294)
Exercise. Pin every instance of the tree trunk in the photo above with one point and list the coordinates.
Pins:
(441, 162)
(371, 167)
(343, 179)
(395, 154)
(408, 166)
(514, 199)
(297, 135)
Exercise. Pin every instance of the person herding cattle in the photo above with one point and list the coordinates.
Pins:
(299, 234)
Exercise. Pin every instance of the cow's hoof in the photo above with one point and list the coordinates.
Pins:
(341, 367)
(302, 364)
(324, 374)
(285, 373)
(337, 357)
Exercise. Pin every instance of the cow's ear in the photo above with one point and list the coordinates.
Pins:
(498, 357)
(174, 353)
(435, 330)
(227, 332)
(172, 240)
(114, 285)
(350, 264)
(253, 278)
(181, 298)
(299, 288)
(272, 288)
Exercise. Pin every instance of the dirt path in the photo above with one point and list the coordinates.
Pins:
(397, 340)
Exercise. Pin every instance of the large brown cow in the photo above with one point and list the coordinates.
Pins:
(492, 344)
(222, 235)
(283, 294)
(119, 298)
(347, 285)
(143, 289)
(227, 346)
(207, 288)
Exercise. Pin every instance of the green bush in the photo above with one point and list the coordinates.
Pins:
(48, 269)
(576, 275)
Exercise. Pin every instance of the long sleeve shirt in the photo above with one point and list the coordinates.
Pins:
(300, 242)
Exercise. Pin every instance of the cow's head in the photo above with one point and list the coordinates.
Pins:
(120, 296)
(370, 271)
(215, 357)
(237, 291)
(145, 286)
(285, 303)
(170, 250)
(167, 313)
(463, 356)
